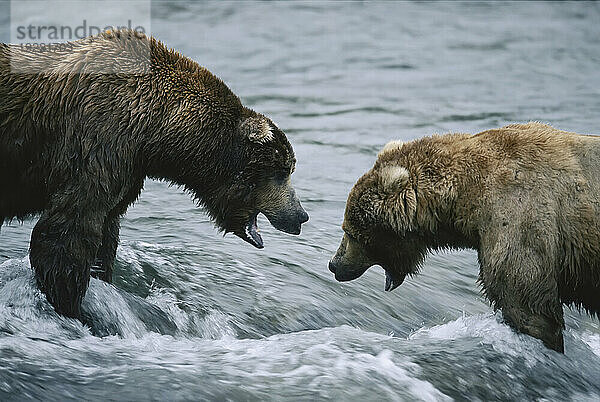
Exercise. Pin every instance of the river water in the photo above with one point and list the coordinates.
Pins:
(193, 315)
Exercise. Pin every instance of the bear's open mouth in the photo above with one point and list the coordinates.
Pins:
(251, 233)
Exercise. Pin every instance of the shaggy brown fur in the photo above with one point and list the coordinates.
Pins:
(82, 127)
(526, 197)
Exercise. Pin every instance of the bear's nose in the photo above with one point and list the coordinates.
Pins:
(332, 267)
(303, 217)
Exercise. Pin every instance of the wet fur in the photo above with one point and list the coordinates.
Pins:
(526, 197)
(76, 146)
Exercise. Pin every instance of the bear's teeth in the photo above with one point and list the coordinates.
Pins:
(389, 282)
(252, 234)
(393, 281)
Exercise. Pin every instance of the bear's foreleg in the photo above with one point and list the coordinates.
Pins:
(547, 328)
(64, 244)
(105, 259)
(521, 283)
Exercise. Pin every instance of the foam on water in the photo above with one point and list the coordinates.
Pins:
(284, 365)
(318, 358)
(326, 356)
(23, 308)
(330, 362)
(592, 340)
(490, 329)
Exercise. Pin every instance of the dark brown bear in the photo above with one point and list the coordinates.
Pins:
(526, 197)
(81, 127)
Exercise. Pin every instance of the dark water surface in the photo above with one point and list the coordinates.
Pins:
(198, 316)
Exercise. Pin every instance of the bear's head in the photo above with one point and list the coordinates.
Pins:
(381, 224)
(261, 183)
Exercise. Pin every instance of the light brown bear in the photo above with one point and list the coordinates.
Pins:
(525, 196)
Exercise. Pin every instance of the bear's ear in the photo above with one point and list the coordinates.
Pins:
(391, 146)
(394, 177)
(257, 130)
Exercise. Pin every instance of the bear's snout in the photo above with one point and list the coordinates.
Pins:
(290, 218)
(302, 216)
(289, 224)
(332, 267)
(344, 273)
